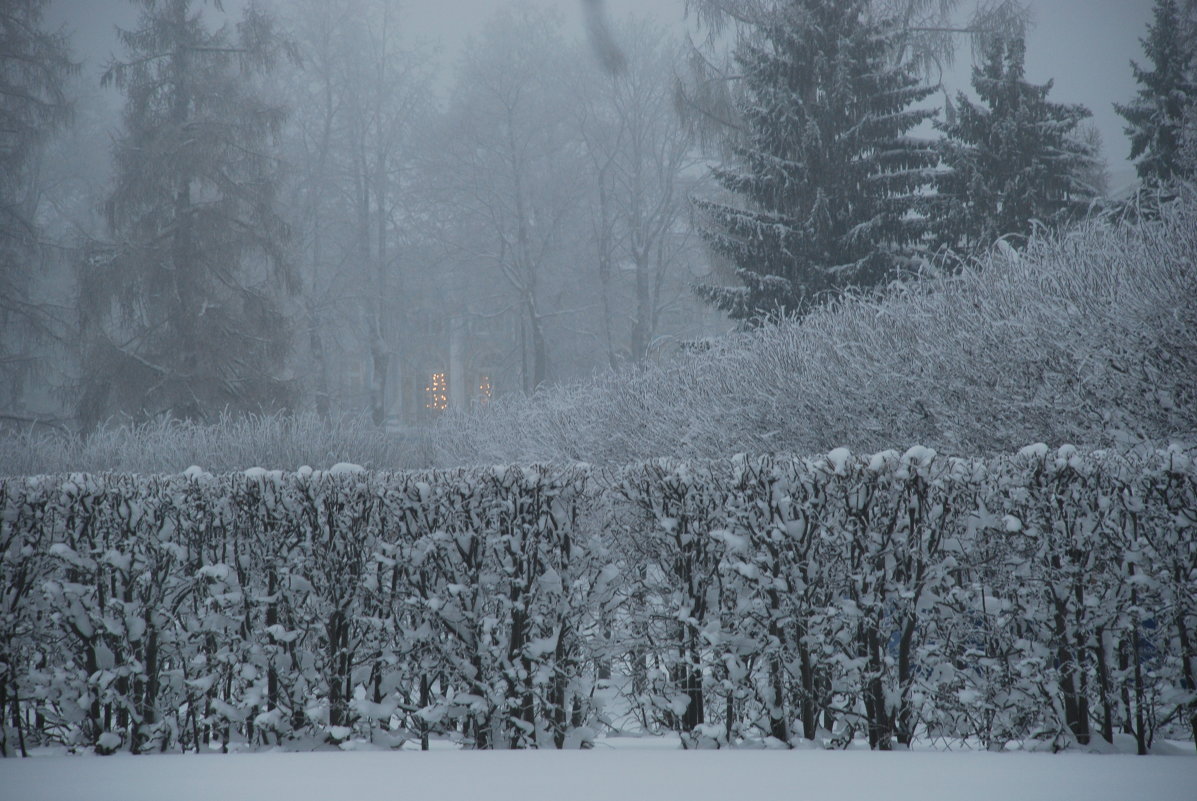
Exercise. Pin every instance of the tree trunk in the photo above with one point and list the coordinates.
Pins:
(338, 658)
(778, 718)
(1103, 684)
(905, 680)
(558, 698)
(778, 724)
(695, 714)
(425, 693)
(642, 326)
(4, 710)
(881, 729)
(1187, 655)
(1124, 685)
(540, 357)
(322, 391)
(95, 725)
(810, 709)
(605, 258)
(149, 699)
(1067, 666)
(1140, 695)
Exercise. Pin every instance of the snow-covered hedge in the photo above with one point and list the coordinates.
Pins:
(1047, 596)
(155, 612)
(228, 443)
(1088, 336)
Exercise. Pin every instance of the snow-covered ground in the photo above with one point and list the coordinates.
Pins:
(604, 774)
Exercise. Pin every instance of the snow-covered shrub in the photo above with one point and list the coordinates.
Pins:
(512, 592)
(232, 442)
(670, 539)
(916, 595)
(1089, 337)
(1049, 597)
(192, 611)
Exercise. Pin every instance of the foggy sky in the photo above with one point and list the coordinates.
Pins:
(1084, 45)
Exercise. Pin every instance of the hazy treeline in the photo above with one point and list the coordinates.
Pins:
(303, 208)
(1088, 336)
(360, 214)
(1084, 337)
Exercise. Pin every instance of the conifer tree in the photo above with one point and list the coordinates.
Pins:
(824, 171)
(35, 65)
(181, 314)
(1156, 118)
(1013, 160)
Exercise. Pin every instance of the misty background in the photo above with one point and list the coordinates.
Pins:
(1084, 46)
(473, 206)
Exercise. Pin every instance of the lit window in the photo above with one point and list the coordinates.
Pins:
(437, 393)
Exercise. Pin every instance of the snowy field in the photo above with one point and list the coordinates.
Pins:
(604, 774)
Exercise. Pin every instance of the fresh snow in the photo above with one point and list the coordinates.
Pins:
(838, 459)
(1037, 450)
(604, 774)
(919, 455)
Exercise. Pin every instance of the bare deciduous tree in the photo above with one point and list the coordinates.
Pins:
(643, 160)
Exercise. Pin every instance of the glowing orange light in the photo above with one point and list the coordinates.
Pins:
(438, 393)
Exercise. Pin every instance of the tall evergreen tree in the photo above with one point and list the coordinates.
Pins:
(1156, 118)
(181, 314)
(35, 65)
(1013, 159)
(824, 169)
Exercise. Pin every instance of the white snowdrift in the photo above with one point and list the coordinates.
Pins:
(606, 774)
